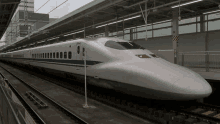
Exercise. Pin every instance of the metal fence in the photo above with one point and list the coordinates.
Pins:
(202, 60)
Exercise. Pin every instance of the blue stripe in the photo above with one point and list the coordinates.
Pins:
(78, 62)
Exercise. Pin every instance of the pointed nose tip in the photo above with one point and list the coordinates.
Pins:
(196, 86)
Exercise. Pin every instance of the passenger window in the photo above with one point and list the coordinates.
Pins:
(44, 55)
(65, 55)
(57, 54)
(70, 55)
(50, 55)
(54, 55)
(61, 55)
(78, 49)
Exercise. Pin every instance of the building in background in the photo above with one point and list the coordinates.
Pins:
(53, 19)
(18, 28)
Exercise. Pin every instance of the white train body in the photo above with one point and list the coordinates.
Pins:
(116, 64)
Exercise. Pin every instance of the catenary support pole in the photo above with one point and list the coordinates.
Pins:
(146, 19)
(86, 104)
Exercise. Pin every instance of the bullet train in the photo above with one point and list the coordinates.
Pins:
(116, 64)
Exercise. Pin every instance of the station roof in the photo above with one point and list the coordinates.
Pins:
(100, 12)
(7, 10)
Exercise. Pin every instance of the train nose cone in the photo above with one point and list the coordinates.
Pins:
(193, 86)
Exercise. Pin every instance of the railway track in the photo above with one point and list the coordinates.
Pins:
(160, 112)
(33, 113)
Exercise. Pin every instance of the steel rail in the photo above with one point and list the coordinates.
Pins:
(65, 110)
(33, 114)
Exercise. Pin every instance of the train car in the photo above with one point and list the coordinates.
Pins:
(116, 64)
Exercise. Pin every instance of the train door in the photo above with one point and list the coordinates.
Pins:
(79, 51)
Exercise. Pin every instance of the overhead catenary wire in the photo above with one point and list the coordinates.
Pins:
(43, 5)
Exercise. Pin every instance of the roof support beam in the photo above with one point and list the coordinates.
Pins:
(181, 7)
(108, 12)
(5, 12)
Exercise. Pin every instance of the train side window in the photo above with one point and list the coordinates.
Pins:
(65, 55)
(50, 55)
(53, 54)
(69, 54)
(44, 55)
(61, 55)
(57, 55)
(78, 49)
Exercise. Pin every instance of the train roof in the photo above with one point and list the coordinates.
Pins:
(102, 40)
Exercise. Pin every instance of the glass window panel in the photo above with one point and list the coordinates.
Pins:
(214, 25)
(57, 55)
(162, 32)
(198, 27)
(143, 34)
(162, 25)
(65, 55)
(61, 55)
(69, 54)
(187, 29)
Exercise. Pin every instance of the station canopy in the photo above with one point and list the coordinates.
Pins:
(7, 10)
(94, 16)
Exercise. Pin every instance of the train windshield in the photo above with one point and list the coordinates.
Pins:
(123, 45)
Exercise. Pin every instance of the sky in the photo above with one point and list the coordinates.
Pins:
(64, 9)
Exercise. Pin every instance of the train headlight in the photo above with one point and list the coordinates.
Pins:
(143, 56)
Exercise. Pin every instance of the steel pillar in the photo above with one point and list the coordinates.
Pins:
(131, 34)
(152, 30)
(202, 23)
(146, 19)
(175, 33)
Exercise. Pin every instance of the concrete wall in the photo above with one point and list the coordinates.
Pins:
(214, 40)
(187, 42)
